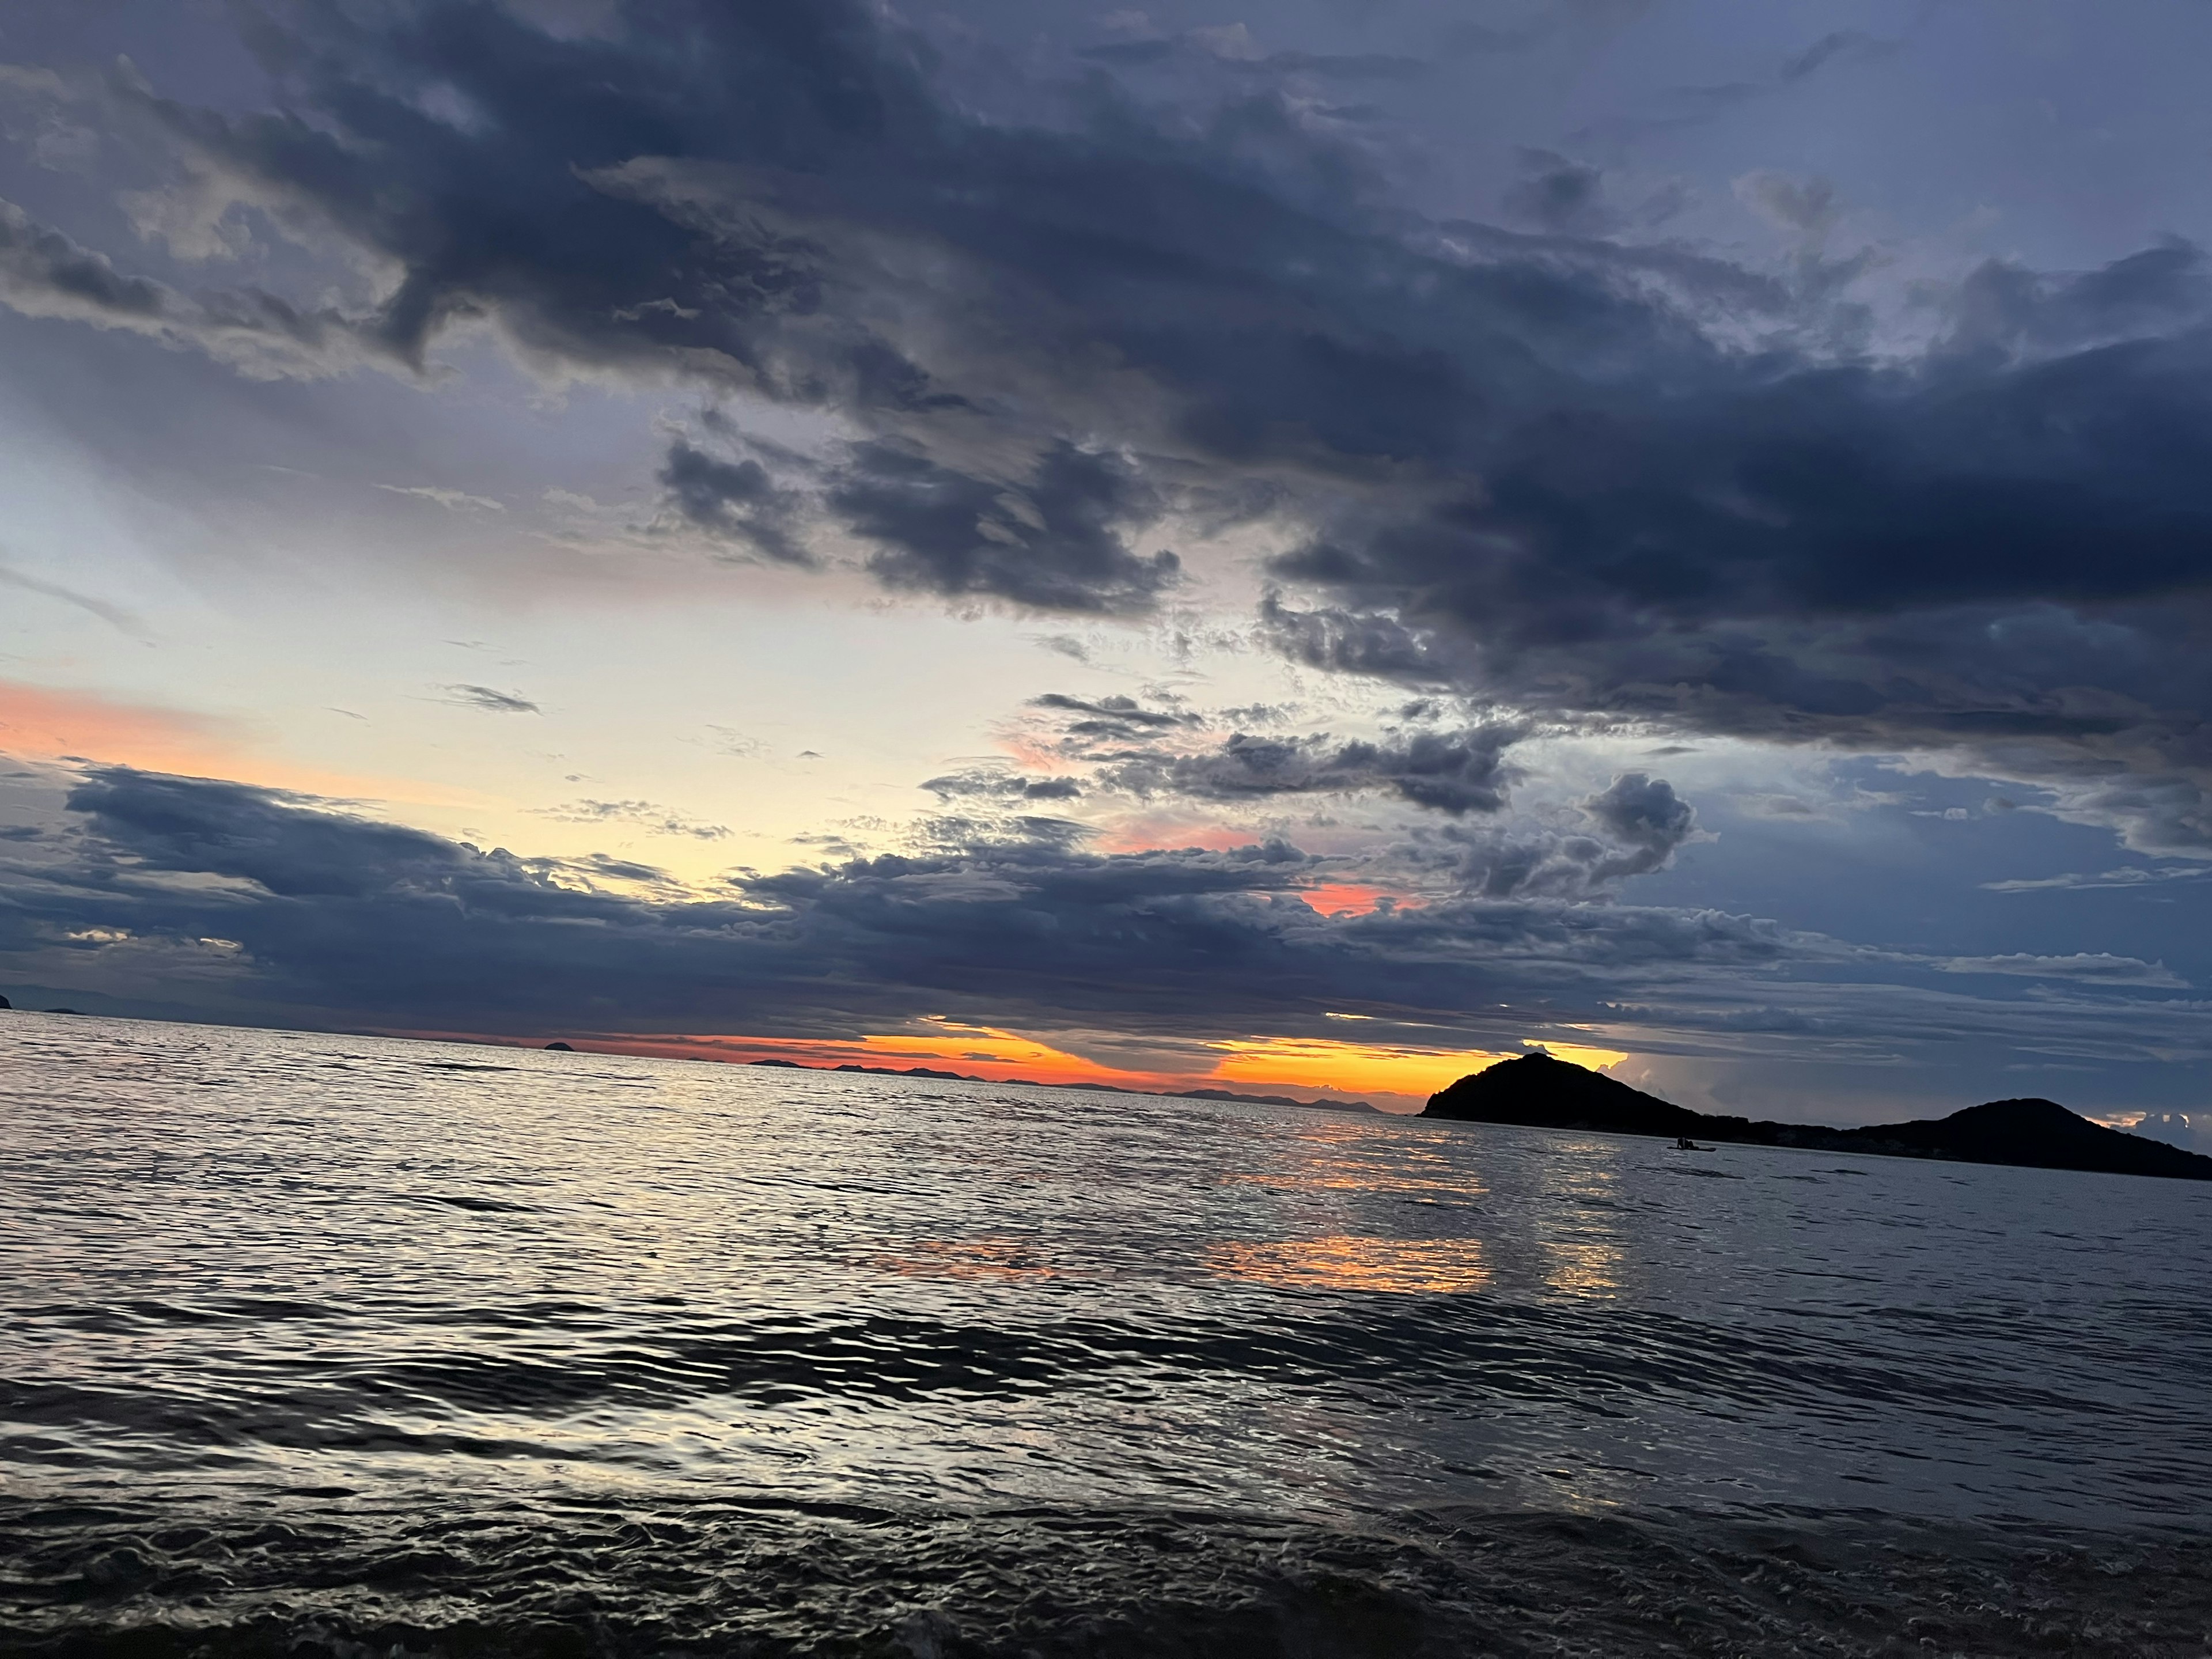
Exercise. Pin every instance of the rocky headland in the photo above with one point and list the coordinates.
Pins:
(1542, 1092)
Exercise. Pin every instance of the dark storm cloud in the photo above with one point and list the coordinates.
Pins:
(1644, 815)
(321, 910)
(192, 895)
(1636, 825)
(1054, 540)
(736, 499)
(1453, 772)
(2004, 548)
(1591, 479)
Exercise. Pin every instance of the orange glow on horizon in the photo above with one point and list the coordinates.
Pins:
(1394, 1076)
(1352, 1068)
(977, 1050)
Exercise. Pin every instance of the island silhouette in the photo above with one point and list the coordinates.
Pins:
(1542, 1092)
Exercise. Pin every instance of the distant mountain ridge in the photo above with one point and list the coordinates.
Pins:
(1542, 1092)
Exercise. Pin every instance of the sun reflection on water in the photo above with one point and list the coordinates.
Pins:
(1582, 1256)
(1346, 1263)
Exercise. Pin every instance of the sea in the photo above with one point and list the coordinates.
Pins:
(350, 1346)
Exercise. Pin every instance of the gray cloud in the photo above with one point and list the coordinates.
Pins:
(644, 814)
(735, 499)
(2087, 967)
(1111, 728)
(113, 614)
(1546, 469)
(2125, 876)
(43, 273)
(1631, 828)
(1055, 539)
(490, 701)
(1453, 772)
(994, 783)
(188, 896)
(373, 922)
(454, 500)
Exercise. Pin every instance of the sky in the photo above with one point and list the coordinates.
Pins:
(1301, 548)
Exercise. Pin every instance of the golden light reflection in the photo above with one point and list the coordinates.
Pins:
(1399, 1266)
(1582, 1258)
(1353, 1067)
(1347, 1176)
(1582, 1267)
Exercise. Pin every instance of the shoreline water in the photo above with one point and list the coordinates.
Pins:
(342, 1345)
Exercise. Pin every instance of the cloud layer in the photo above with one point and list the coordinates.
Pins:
(1592, 475)
(167, 893)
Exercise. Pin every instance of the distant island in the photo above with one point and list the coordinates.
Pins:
(1095, 1088)
(1542, 1092)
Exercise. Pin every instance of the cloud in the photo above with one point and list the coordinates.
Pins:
(1689, 106)
(454, 500)
(1550, 471)
(377, 922)
(1841, 45)
(1559, 194)
(1645, 816)
(2086, 968)
(735, 499)
(1113, 728)
(2125, 876)
(320, 915)
(994, 783)
(492, 702)
(43, 273)
(1232, 48)
(1572, 197)
(1631, 828)
(655, 820)
(114, 616)
(1452, 772)
(1055, 539)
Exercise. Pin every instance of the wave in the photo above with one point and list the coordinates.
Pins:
(795, 1579)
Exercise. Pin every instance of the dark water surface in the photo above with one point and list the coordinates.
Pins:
(338, 1344)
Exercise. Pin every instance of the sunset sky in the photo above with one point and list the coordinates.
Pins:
(1297, 549)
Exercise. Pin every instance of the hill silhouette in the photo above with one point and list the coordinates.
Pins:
(1541, 1091)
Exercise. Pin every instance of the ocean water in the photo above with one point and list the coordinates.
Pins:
(339, 1344)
